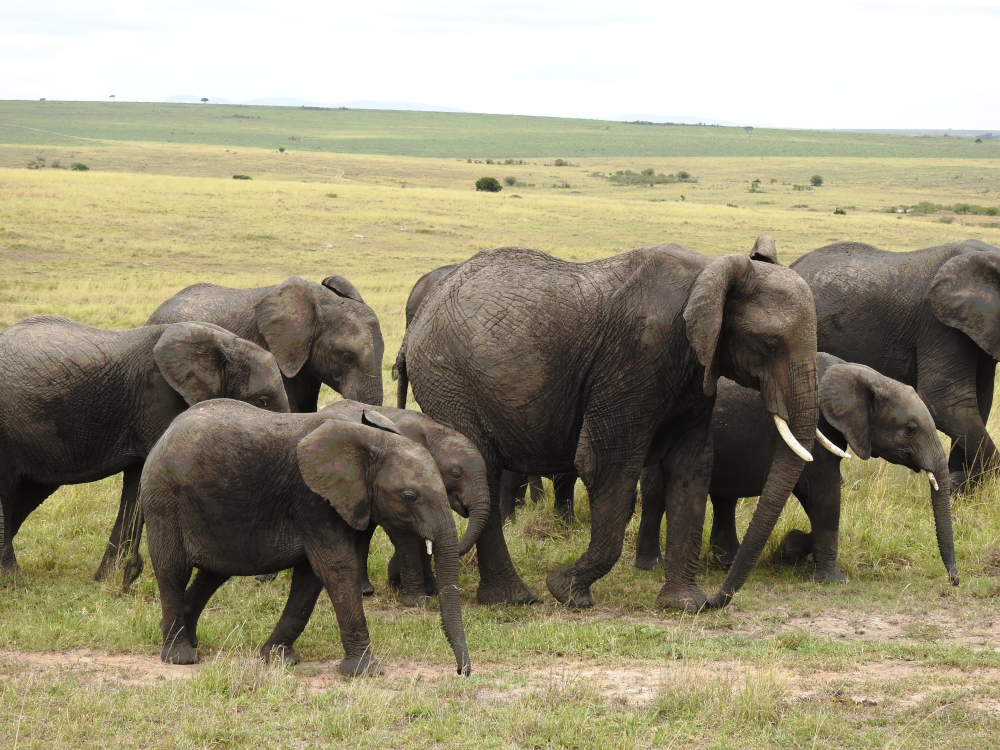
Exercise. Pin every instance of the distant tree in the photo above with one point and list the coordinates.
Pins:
(816, 180)
(978, 140)
(748, 128)
(204, 98)
(112, 97)
(510, 180)
(489, 184)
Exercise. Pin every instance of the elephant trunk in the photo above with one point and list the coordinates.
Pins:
(365, 388)
(446, 568)
(941, 504)
(785, 470)
(479, 514)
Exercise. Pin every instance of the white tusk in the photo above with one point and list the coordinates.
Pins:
(830, 446)
(932, 480)
(789, 438)
(430, 546)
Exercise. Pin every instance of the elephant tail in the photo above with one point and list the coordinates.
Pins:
(399, 375)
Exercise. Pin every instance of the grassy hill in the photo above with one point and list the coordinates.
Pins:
(441, 134)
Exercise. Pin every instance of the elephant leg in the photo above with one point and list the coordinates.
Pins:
(196, 597)
(407, 571)
(563, 487)
(173, 571)
(534, 486)
(305, 590)
(362, 545)
(124, 532)
(510, 485)
(24, 500)
(820, 498)
(724, 538)
(499, 582)
(334, 560)
(647, 545)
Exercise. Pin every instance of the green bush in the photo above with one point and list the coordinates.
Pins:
(840, 212)
(79, 167)
(489, 184)
(816, 180)
(242, 177)
(560, 163)
(510, 180)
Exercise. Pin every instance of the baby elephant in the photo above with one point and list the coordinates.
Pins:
(78, 404)
(877, 416)
(233, 490)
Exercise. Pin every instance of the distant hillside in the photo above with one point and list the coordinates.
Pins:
(441, 134)
(284, 101)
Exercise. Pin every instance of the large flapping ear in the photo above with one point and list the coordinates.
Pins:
(704, 311)
(191, 357)
(765, 250)
(287, 319)
(342, 288)
(379, 421)
(965, 294)
(334, 460)
(847, 402)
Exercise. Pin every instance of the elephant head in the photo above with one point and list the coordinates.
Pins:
(882, 418)
(327, 330)
(965, 294)
(202, 361)
(369, 472)
(755, 323)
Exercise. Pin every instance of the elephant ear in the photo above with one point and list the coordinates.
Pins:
(703, 312)
(847, 402)
(765, 250)
(965, 294)
(379, 421)
(192, 359)
(342, 288)
(286, 317)
(334, 460)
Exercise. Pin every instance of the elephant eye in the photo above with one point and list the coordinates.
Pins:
(410, 496)
(263, 401)
(346, 357)
(911, 429)
(456, 472)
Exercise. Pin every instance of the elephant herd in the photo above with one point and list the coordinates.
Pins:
(697, 376)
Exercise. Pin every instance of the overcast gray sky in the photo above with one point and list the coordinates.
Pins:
(883, 64)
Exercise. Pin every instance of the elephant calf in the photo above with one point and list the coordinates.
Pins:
(877, 416)
(233, 490)
(78, 404)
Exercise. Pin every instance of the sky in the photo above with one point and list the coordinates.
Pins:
(832, 64)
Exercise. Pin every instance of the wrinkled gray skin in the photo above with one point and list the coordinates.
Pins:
(927, 318)
(603, 367)
(318, 333)
(875, 415)
(464, 475)
(80, 404)
(232, 490)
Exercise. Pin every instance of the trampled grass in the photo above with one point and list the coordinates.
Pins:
(895, 658)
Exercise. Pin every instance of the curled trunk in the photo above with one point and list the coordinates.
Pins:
(446, 568)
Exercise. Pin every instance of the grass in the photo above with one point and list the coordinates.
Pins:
(895, 658)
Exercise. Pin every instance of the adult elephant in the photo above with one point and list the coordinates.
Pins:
(928, 318)
(550, 366)
(875, 415)
(318, 333)
(80, 404)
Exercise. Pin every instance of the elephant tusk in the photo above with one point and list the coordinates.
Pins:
(830, 446)
(932, 479)
(789, 438)
(430, 546)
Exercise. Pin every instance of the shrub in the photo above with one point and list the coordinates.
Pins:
(79, 167)
(682, 175)
(242, 177)
(839, 212)
(560, 163)
(510, 180)
(281, 149)
(489, 184)
(649, 172)
(816, 180)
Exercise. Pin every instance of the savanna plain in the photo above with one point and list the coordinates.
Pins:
(895, 658)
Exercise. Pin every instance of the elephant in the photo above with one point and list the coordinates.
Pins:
(318, 333)
(875, 415)
(235, 491)
(602, 367)
(928, 318)
(80, 404)
(464, 475)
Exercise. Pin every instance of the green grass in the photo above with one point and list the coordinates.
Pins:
(895, 658)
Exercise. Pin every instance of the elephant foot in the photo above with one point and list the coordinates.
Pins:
(687, 599)
(959, 482)
(279, 652)
(108, 564)
(8, 562)
(567, 590)
(265, 577)
(511, 592)
(179, 652)
(829, 575)
(648, 562)
(365, 665)
(131, 571)
(419, 601)
(798, 546)
(365, 583)
(725, 554)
